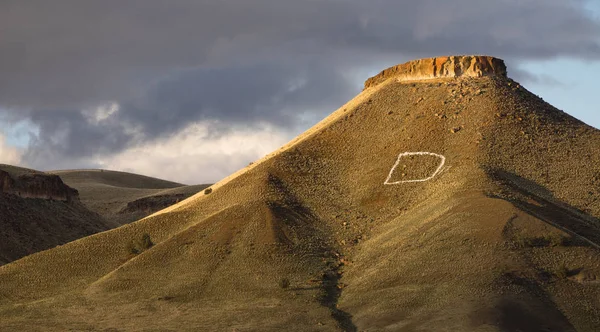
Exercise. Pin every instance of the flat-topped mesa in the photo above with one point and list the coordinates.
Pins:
(442, 67)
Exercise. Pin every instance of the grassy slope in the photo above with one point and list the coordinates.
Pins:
(473, 249)
(16, 171)
(115, 179)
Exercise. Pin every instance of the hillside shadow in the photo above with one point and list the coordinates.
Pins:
(295, 224)
(538, 201)
(532, 310)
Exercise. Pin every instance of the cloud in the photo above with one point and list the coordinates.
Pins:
(527, 77)
(67, 134)
(8, 154)
(229, 97)
(191, 156)
(97, 79)
(71, 53)
(264, 92)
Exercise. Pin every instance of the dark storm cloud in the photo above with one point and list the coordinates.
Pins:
(70, 52)
(264, 92)
(61, 129)
(66, 135)
(65, 53)
(167, 63)
(233, 96)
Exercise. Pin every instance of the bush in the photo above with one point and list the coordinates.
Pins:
(146, 242)
(284, 283)
(140, 245)
(546, 240)
(207, 191)
(562, 271)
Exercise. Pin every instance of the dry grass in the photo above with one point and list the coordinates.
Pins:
(429, 256)
(16, 171)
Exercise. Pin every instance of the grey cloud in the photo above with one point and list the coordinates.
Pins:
(523, 76)
(169, 63)
(264, 92)
(227, 96)
(66, 135)
(67, 53)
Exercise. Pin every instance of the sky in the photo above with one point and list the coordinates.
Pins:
(192, 90)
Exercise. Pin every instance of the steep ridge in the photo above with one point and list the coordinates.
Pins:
(38, 211)
(122, 197)
(447, 204)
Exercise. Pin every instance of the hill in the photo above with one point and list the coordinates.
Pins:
(444, 197)
(122, 197)
(38, 211)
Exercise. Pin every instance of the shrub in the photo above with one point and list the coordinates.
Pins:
(207, 191)
(557, 240)
(146, 242)
(284, 283)
(131, 248)
(562, 271)
(140, 245)
(546, 240)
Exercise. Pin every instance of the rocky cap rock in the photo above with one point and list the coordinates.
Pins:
(442, 67)
(36, 185)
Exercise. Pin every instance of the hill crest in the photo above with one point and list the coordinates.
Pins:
(442, 67)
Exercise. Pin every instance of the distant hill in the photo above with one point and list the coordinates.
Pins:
(38, 211)
(123, 197)
(444, 197)
(115, 179)
(17, 171)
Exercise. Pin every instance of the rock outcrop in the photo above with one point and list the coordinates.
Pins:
(151, 204)
(38, 211)
(37, 185)
(442, 67)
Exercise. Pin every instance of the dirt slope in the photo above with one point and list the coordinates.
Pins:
(122, 197)
(38, 211)
(501, 237)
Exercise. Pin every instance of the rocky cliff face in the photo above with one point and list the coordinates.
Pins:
(442, 67)
(38, 211)
(37, 185)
